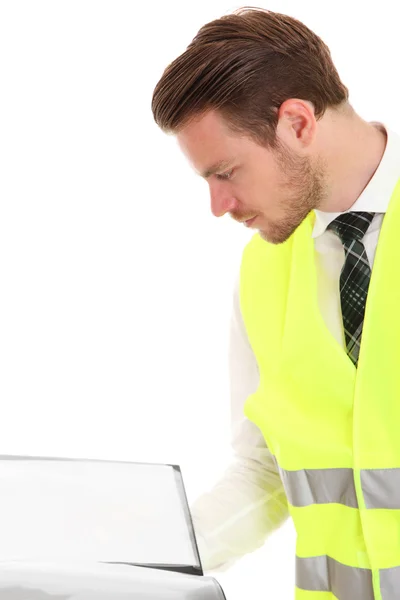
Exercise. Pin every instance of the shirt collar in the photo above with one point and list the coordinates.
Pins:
(376, 196)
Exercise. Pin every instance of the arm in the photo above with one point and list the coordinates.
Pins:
(248, 502)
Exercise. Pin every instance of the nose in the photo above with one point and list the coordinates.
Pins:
(222, 201)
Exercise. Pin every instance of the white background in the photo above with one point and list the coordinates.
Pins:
(115, 280)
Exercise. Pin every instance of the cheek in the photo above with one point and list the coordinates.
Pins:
(255, 191)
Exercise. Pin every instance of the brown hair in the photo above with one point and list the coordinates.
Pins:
(245, 65)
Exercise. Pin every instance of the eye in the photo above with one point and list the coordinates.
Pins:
(224, 176)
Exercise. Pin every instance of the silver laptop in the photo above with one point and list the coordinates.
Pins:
(86, 529)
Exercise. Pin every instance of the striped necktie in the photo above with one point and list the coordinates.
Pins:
(355, 276)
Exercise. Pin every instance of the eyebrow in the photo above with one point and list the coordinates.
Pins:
(219, 166)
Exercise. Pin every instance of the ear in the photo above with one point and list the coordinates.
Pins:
(296, 123)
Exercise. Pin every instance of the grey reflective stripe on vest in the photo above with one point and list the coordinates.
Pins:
(324, 574)
(390, 583)
(320, 486)
(381, 488)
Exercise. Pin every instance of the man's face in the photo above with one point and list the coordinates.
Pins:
(273, 190)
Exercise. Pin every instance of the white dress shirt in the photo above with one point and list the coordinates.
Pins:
(248, 502)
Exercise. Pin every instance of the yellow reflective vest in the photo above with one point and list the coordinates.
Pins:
(334, 430)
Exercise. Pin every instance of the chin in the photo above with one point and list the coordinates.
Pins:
(279, 234)
(276, 238)
(267, 237)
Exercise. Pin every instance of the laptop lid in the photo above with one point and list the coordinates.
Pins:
(58, 509)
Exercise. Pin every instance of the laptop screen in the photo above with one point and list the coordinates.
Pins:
(55, 509)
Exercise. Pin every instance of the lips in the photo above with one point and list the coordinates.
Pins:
(250, 221)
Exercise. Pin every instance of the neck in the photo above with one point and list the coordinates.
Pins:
(351, 155)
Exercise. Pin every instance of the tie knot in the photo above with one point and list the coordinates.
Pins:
(351, 226)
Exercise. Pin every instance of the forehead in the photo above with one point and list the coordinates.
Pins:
(208, 140)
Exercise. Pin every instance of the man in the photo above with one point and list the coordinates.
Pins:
(260, 111)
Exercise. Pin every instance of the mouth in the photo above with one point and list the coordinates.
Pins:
(250, 222)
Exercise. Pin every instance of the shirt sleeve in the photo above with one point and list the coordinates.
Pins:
(248, 502)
